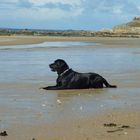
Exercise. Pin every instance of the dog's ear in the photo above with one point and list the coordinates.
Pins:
(61, 63)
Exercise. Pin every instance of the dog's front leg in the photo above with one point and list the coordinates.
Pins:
(49, 87)
(53, 88)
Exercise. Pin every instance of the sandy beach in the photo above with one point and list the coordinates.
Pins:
(28, 113)
(111, 42)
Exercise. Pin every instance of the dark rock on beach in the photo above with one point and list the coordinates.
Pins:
(4, 133)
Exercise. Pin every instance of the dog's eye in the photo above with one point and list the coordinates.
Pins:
(57, 63)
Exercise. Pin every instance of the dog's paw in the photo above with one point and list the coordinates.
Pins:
(43, 88)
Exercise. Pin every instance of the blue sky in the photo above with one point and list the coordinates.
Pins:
(67, 14)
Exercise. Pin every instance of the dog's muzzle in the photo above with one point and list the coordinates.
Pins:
(52, 67)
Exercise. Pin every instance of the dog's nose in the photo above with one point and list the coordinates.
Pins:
(50, 65)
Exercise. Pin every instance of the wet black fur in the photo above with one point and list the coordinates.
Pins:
(69, 79)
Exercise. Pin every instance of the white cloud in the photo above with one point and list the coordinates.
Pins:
(38, 10)
(117, 10)
(8, 1)
(116, 7)
(60, 9)
(43, 2)
(47, 13)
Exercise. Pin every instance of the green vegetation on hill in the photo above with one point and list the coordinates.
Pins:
(134, 23)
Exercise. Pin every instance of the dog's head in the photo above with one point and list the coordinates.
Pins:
(59, 66)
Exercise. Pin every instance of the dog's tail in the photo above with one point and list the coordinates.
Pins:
(108, 85)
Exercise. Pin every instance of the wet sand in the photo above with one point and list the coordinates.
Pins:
(26, 112)
(110, 42)
(89, 128)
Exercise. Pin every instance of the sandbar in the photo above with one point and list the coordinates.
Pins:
(109, 41)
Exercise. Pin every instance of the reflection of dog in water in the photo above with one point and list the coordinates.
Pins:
(69, 79)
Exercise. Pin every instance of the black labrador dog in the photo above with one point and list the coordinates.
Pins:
(69, 79)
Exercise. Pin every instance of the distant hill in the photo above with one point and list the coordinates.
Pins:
(130, 27)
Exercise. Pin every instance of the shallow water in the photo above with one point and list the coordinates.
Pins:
(24, 69)
(49, 44)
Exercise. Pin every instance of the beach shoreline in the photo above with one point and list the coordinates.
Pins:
(109, 41)
(29, 106)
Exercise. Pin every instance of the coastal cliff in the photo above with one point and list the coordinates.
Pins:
(130, 27)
